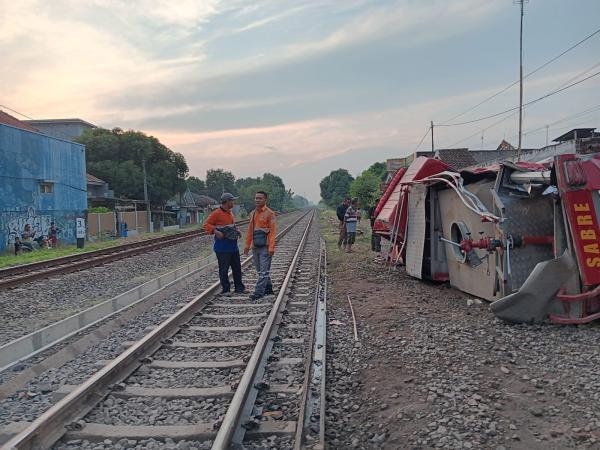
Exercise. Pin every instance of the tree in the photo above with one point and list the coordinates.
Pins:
(300, 202)
(366, 189)
(379, 169)
(116, 156)
(219, 181)
(335, 187)
(280, 198)
(196, 185)
(241, 183)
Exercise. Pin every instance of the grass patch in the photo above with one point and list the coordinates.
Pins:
(8, 260)
(337, 260)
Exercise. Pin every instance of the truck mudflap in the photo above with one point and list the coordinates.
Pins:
(537, 297)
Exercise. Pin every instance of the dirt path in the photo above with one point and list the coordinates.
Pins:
(433, 369)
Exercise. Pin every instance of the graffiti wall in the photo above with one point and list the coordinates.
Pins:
(12, 224)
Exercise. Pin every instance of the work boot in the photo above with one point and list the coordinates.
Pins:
(255, 296)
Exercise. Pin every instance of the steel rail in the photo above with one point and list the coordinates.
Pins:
(14, 276)
(324, 347)
(316, 338)
(70, 258)
(44, 431)
(231, 426)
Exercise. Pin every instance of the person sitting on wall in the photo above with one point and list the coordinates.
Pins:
(27, 238)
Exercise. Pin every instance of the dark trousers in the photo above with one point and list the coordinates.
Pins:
(227, 260)
(375, 241)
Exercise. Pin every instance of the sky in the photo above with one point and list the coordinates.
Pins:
(300, 88)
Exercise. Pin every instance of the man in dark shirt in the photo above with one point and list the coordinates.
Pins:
(341, 213)
(375, 238)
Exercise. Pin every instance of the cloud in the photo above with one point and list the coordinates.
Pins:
(270, 85)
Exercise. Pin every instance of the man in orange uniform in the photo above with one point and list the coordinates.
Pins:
(261, 238)
(221, 223)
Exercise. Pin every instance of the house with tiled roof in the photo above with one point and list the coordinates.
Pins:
(7, 119)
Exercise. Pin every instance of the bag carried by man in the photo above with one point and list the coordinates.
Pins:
(259, 236)
(229, 232)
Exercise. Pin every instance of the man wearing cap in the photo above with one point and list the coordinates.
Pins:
(221, 223)
(261, 238)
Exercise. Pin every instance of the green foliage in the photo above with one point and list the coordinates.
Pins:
(196, 185)
(99, 210)
(116, 157)
(219, 181)
(300, 202)
(242, 183)
(379, 169)
(366, 189)
(336, 186)
(280, 198)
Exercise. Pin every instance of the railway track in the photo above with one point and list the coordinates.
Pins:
(222, 372)
(15, 276)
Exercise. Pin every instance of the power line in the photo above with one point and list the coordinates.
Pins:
(574, 116)
(422, 139)
(21, 114)
(57, 134)
(580, 74)
(550, 94)
(485, 129)
(525, 76)
(561, 86)
(564, 119)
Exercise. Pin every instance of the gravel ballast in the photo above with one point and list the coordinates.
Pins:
(157, 411)
(40, 303)
(37, 396)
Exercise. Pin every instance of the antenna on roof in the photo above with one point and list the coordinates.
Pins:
(521, 3)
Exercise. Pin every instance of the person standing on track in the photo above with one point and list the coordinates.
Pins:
(261, 238)
(340, 213)
(221, 223)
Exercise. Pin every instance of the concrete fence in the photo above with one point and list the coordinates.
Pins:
(103, 224)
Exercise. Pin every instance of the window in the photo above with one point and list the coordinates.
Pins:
(46, 188)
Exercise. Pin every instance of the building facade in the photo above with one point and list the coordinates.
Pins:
(67, 129)
(42, 180)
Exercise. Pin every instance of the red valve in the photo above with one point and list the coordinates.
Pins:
(485, 243)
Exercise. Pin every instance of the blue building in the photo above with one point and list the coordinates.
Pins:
(42, 180)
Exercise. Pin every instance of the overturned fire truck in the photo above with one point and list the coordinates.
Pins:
(522, 235)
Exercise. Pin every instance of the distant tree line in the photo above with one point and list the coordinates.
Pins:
(220, 180)
(339, 184)
(117, 157)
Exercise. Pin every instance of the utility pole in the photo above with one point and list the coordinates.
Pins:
(547, 126)
(521, 3)
(432, 146)
(148, 212)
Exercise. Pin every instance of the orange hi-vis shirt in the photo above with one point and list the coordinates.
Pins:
(262, 219)
(217, 219)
